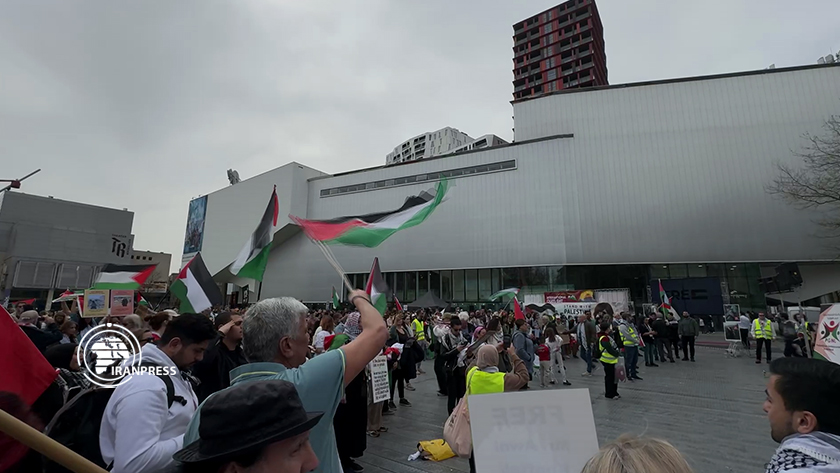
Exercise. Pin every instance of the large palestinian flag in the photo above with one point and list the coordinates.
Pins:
(372, 229)
(195, 287)
(128, 277)
(376, 288)
(252, 259)
(511, 292)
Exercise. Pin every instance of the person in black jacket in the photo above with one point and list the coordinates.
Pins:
(41, 338)
(456, 375)
(663, 343)
(222, 355)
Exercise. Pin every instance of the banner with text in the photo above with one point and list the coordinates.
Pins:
(585, 295)
(379, 387)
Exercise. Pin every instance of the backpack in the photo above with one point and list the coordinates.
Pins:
(596, 351)
(76, 424)
(788, 330)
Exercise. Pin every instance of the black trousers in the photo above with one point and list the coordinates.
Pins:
(397, 380)
(440, 374)
(664, 345)
(758, 343)
(456, 387)
(687, 342)
(610, 386)
(745, 338)
(675, 342)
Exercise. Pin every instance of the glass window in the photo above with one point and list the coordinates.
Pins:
(696, 270)
(485, 286)
(434, 282)
(471, 280)
(422, 283)
(510, 277)
(547, 28)
(551, 74)
(497, 280)
(446, 285)
(678, 271)
(458, 285)
(411, 286)
(399, 286)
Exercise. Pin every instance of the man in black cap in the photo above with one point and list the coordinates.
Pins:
(255, 427)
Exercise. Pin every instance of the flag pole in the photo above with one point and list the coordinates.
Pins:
(46, 446)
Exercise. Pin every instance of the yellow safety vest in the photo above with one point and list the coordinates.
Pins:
(479, 382)
(763, 332)
(419, 333)
(628, 343)
(606, 357)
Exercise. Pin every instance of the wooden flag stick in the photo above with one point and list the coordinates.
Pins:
(46, 446)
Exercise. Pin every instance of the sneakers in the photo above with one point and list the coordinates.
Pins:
(637, 378)
(409, 387)
(692, 360)
(351, 465)
(440, 394)
(420, 371)
(758, 362)
(654, 365)
(391, 405)
(404, 402)
(685, 359)
(566, 383)
(586, 374)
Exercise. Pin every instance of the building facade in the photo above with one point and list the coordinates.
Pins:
(158, 282)
(560, 48)
(427, 145)
(608, 187)
(49, 245)
(482, 142)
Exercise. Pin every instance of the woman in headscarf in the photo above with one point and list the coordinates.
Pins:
(485, 378)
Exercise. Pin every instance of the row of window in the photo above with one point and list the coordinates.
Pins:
(143, 258)
(475, 286)
(399, 181)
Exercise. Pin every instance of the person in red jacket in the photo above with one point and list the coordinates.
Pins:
(546, 373)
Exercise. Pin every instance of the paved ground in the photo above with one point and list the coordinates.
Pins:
(710, 410)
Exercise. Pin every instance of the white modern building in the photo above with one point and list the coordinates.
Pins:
(486, 141)
(606, 187)
(427, 145)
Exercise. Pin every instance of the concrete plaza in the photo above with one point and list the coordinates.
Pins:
(710, 410)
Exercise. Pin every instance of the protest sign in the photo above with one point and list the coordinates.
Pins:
(96, 303)
(533, 431)
(732, 332)
(573, 309)
(379, 379)
(827, 345)
(122, 302)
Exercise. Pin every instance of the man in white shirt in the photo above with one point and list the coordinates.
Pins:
(139, 433)
(744, 327)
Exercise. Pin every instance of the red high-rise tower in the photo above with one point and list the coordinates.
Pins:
(561, 48)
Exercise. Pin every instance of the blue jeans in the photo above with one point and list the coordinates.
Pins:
(631, 359)
(586, 355)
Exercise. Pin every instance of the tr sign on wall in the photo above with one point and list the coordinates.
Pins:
(698, 296)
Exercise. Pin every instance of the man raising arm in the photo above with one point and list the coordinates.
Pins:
(369, 343)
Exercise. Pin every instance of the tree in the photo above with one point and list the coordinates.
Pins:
(815, 182)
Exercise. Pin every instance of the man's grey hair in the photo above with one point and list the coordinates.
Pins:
(267, 322)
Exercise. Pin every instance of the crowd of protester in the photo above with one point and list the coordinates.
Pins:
(296, 397)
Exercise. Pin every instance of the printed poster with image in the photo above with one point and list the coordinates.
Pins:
(96, 303)
(827, 345)
(122, 302)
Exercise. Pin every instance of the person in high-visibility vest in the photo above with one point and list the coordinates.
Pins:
(418, 325)
(762, 332)
(609, 358)
(485, 377)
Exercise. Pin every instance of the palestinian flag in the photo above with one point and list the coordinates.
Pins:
(68, 296)
(517, 310)
(336, 303)
(195, 287)
(372, 229)
(129, 277)
(139, 299)
(253, 257)
(25, 302)
(511, 292)
(397, 303)
(376, 288)
(665, 303)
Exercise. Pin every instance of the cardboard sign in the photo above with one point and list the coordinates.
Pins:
(732, 331)
(96, 303)
(122, 302)
(379, 379)
(827, 344)
(550, 430)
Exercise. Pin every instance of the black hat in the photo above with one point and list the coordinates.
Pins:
(246, 417)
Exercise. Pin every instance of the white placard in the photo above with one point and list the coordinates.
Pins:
(379, 379)
(573, 308)
(540, 431)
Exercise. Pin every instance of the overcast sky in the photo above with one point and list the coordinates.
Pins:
(146, 104)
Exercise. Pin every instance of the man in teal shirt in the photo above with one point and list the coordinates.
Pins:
(276, 342)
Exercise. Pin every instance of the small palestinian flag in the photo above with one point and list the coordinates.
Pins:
(397, 303)
(128, 277)
(665, 305)
(376, 288)
(252, 259)
(372, 229)
(139, 299)
(517, 310)
(336, 303)
(68, 296)
(195, 287)
(511, 292)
